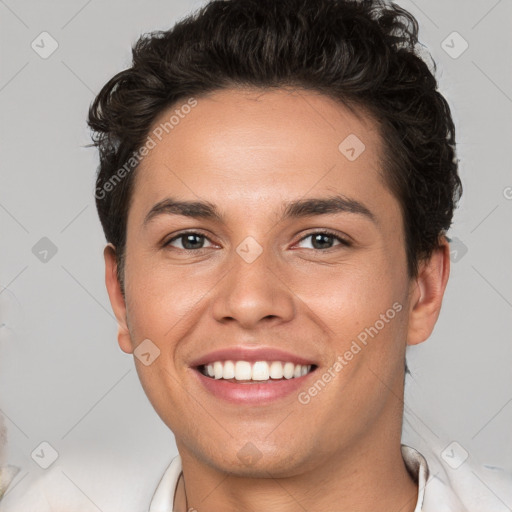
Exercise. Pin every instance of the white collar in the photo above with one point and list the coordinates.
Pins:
(163, 498)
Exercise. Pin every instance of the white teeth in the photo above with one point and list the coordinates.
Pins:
(276, 370)
(243, 370)
(217, 370)
(260, 371)
(257, 371)
(229, 370)
(288, 370)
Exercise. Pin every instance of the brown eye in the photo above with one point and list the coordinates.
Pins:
(189, 241)
(324, 240)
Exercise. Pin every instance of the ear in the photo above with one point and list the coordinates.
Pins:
(427, 293)
(116, 298)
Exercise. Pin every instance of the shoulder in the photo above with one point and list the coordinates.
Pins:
(456, 483)
(83, 483)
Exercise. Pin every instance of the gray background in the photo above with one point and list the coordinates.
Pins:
(63, 378)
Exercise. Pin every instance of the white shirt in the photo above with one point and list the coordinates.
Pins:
(163, 498)
(99, 482)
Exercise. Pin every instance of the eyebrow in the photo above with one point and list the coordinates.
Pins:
(293, 209)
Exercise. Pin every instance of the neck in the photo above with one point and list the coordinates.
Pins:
(364, 477)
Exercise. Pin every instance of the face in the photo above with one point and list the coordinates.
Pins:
(293, 252)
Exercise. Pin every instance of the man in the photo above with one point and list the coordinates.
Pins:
(276, 182)
(290, 178)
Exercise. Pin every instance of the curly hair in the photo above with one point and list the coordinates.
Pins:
(365, 54)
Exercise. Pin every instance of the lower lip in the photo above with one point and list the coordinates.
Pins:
(253, 393)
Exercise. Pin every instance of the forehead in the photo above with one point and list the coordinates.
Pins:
(244, 146)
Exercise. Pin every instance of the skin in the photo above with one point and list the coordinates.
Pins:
(249, 151)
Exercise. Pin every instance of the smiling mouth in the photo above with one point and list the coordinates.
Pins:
(245, 372)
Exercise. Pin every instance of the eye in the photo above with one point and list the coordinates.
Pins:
(324, 240)
(189, 241)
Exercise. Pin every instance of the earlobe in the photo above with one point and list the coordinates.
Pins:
(428, 292)
(116, 297)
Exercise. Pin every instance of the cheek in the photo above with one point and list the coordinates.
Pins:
(363, 310)
(352, 297)
(160, 298)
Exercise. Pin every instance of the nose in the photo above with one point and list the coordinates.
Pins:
(253, 293)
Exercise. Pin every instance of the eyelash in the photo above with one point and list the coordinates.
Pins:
(342, 241)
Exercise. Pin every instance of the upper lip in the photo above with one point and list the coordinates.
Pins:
(250, 354)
